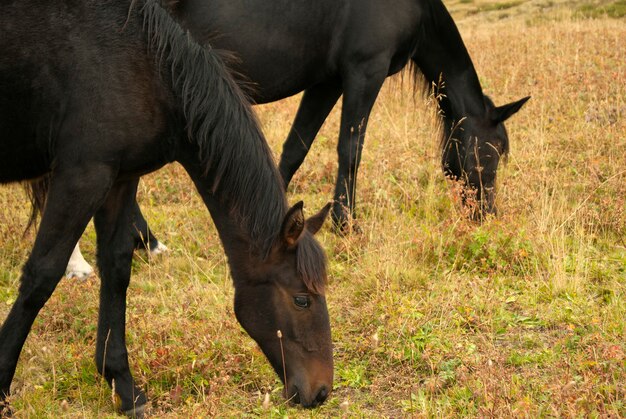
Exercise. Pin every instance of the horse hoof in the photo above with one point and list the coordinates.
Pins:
(79, 271)
(136, 412)
(158, 249)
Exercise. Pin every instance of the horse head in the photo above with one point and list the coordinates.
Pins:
(472, 151)
(281, 303)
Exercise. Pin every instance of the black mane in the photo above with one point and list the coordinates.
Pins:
(438, 24)
(226, 132)
(224, 128)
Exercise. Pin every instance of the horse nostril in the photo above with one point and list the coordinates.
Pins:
(322, 395)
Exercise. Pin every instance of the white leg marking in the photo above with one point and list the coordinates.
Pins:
(78, 267)
(160, 248)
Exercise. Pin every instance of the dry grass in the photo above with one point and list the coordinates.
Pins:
(431, 315)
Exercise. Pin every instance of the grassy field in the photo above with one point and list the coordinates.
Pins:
(432, 315)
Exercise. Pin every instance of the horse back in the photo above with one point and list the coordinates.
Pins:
(286, 46)
(280, 46)
(76, 86)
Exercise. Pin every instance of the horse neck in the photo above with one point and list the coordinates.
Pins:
(441, 56)
(247, 220)
(240, 248)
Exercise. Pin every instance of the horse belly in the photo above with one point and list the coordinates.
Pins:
(20, 159)
(274, 79)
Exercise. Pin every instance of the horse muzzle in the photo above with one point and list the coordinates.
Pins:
(309, 399)
(311, 388)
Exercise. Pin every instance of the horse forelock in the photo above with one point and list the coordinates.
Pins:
(490, 106)
(311, 264)
(220, 121)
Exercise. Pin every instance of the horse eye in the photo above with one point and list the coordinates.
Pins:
(302, 301)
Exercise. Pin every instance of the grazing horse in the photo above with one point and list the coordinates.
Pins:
(96, 94)
(349, 47)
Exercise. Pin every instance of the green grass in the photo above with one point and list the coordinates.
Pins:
(536, 11)
(432, 315)
(488, 7)
(616, 9)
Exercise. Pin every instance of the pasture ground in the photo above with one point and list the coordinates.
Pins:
(432, 315)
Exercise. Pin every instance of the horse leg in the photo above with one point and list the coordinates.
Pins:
(62, 223)
(114, 229)
(360, 92)
(316, 104)
(143, 237)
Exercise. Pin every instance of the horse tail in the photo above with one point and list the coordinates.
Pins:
(37, 191)
(219, 119)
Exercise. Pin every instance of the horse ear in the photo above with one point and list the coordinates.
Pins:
(293, 225)
(504, 112)
(314, 223)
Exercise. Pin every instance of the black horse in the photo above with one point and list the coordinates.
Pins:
(97, 93)
(350, 47)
